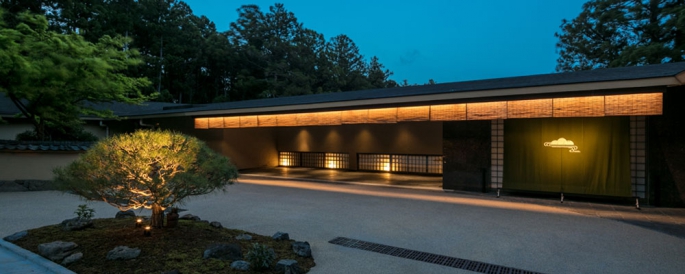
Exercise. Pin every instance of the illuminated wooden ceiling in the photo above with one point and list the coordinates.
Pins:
(590, 106)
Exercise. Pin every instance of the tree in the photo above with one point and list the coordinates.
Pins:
(54, 78)
(617, 33)
(378, 78)
(146, 169)
(347, 67)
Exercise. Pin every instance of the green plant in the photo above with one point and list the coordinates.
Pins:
(152, 169)
(84, 212)
(260, 256)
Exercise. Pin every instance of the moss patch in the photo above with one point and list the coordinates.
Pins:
(180, 248)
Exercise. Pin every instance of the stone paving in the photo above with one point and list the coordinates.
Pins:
(667, 220)
(534, 234)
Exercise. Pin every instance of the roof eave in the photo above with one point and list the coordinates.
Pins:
(452, 96)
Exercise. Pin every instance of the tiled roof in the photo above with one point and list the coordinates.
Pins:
(9, 145)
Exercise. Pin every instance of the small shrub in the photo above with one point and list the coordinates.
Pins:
(260, 256)
(84, 212)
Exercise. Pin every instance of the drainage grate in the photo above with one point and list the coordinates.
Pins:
(428, 257)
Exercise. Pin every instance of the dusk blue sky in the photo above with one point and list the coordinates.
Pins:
(446, 40)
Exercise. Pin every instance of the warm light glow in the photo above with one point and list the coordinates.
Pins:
(563, 143)
(286, 158)
(437, 197)
(336, 160)
(486, 111)
(147, 227)
(588, 106)
(386, 166)
(413, 114)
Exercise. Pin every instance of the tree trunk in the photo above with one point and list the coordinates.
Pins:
(157, 218)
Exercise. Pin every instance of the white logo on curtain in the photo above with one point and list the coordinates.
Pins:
(563, 143)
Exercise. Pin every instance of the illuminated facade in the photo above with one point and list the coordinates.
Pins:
(609, 132)
(576, 133)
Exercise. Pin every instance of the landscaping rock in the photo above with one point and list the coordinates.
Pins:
(123, 253)
(240, 265)
(72, 258)
(189, 217)
(76, 224)
(56, 251)
(243, 237)
(216, 224)
(11, 186)
(288, 267)
(125, 214)
(16, 236)
(281, 236)
(302, 249)
(36, 185)
(223, 252)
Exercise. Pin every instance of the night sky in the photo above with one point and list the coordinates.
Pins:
(446, 40)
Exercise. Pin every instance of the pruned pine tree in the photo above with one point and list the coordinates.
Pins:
(146, 169)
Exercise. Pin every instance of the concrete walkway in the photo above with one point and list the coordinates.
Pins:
(514, 232)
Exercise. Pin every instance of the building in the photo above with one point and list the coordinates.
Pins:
(608, 133)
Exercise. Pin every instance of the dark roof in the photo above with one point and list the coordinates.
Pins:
(43, 145)
(8, 109)
(589, 76)
(553, 79)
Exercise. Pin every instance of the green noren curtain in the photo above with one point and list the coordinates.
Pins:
(602, 167)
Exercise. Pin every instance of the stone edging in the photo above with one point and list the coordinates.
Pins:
(25, 185)
(34, 259)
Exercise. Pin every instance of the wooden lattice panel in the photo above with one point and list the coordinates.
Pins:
(307, 119)
(248, 121)
(360, 116)
(454, 112)
(267, 120)
(486, 111)
(382, 115)
(592, 106)
(287, 120)
(413, 114)
(201, 123)
(216, 122)
(329, 118)
(529, 108)
(634, 104)
(232, 122)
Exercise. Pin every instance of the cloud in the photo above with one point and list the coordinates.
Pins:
(410, 57)
(561, 142)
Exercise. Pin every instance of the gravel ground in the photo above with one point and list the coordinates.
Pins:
(520, 235)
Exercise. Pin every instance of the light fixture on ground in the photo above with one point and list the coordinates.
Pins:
(148, 231)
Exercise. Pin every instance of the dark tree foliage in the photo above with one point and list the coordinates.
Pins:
(617, 33)
(54, 79)
(263, 54)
